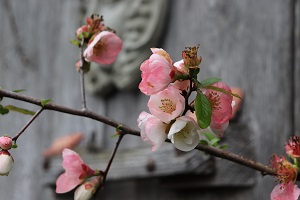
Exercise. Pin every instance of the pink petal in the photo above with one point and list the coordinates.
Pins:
(66, 183)
(285, 192)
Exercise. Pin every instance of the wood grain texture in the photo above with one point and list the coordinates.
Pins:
(247, 43)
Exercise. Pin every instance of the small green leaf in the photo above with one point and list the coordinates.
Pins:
(17, 91)
(225, 146)
(14, 146)
(115, 135)
(118, 129)
(203, 142)
(3, 110)
(209, 81)
(203, 110)
(209, 136)
(45, 102)
(75, 42)
(221, 90)
(20, 110)
(214, 142)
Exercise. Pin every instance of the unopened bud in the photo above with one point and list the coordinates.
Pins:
(5, 142)
(6, 162)
(87, 189)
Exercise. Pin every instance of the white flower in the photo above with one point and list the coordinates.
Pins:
(184, 133)
(6, 162)
(87, 189)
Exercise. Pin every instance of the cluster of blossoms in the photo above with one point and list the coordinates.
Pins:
(103, 45)
(173, 114)
(78, 173)
(6, 160)
(287, 172)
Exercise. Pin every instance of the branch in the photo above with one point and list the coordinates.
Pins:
(81, 71)
(264, 169)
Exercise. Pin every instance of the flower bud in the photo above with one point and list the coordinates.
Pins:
(87, 189)
(6, 162)
(5, 142)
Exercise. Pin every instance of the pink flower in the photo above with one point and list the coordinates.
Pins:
(180, 66)
(181, 85)
(87, 189)
(184, 133)
(75, 174)
(157, 72)
(6, 163)
(166, 105)
(5, 142)
(221, 103)
(293, 147)
(152, 130)
(285, 171)
(104, 48)
(285, 192)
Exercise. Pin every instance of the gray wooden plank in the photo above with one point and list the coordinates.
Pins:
(297, 68)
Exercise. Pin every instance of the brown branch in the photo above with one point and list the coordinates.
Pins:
(264, 169)
(27, 124)
(81, 71)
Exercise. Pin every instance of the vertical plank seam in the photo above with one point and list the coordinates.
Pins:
(293, 68)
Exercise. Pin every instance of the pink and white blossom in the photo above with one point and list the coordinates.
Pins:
(76, 172)
(180, 66)
(6, 163)
(288, 191)
(5, 142)
(293, 147)
(157, 72)
(104, 48)
(153, 130)
(184, 133)
(166, 105)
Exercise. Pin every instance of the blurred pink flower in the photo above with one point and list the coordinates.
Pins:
(152, 130)
(287, 191)
(157, 72)
(184, 133)
(76, 172)
(5, 142)
(180, 66)
(6, 162)
(104, 48)
(166, 105)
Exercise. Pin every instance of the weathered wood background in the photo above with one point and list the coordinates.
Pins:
(251, 44)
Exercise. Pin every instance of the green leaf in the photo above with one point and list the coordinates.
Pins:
(3, 110)
(214, 142)
(203, 110)
(17, 91)
(209, 81)
(115, 135)
(225, 146)
(209, 136)
(75, 42)
(221, 90)
(14, 146)
(20, 110)
(45, 102)
(203, 142)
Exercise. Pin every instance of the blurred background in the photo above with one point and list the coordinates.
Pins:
(254, 45)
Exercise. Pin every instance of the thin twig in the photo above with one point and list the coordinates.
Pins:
(112, 157)
(81, 71)
(264, 169)
(27, 124)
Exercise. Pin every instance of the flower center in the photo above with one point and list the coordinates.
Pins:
(167, 106)
(99, 48)
(214, 100)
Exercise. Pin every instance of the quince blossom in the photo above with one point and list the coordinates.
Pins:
(76, 172)
(293, 147)
(157, 72)
(184, 133)
(6, 163)
(287, 191)
(5, 142)
(104, 48)
(180, 66)
(166, 105)
(87, 189)
(152, 130)
(285, 171)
